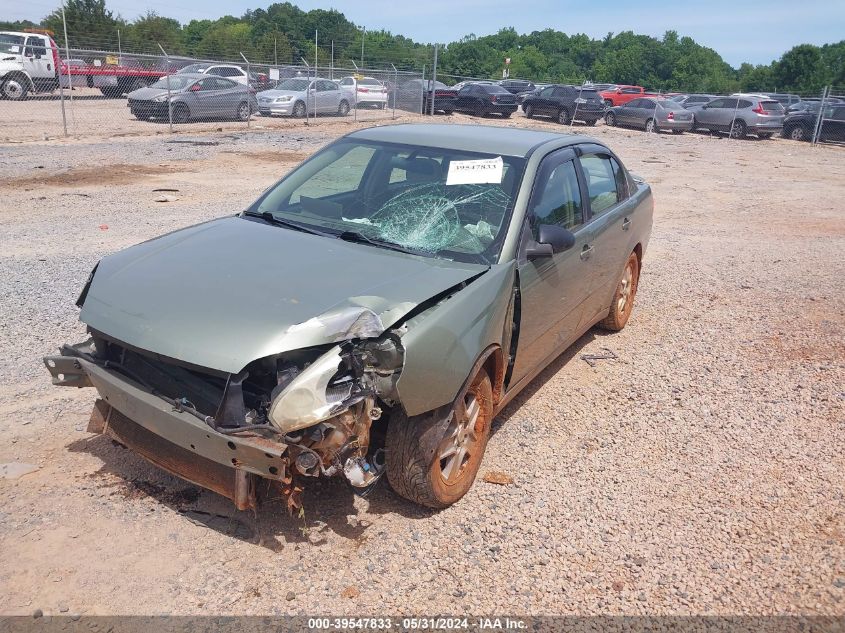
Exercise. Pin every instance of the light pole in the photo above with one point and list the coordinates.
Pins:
(363, 32)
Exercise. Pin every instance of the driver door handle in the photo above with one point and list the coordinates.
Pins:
(626, 224)
(586, 251)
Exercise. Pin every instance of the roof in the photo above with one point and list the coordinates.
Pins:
(507, 141)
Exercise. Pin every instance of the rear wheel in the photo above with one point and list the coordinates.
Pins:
(181, 114)
(432, 459)
(528, 110)
(299, 109)
(590, 122)
(343, 108)
(738, 129)
(563, 117)
(15, 89)
(610, 119)
(623, 298)
(650, 126)
(243, 111)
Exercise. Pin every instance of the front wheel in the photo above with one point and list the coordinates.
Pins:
(343, 108)
(181, 114)
(738, 129)
(432, 459)
(244, 111)
(610, 119)
(299, 110)
(15, 89)
(623, 298)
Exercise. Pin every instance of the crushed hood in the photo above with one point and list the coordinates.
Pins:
(227, 292)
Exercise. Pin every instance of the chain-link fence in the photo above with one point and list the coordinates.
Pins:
(77, 92)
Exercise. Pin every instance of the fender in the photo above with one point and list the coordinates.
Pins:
(444, 343)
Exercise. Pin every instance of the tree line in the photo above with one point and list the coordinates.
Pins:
(283, 33)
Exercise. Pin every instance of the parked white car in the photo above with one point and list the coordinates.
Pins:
(299, 96)
(230, 71)
(365, 91)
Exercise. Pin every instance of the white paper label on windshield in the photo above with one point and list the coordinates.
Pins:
(14, 49)
(274, 74)
(475, 172)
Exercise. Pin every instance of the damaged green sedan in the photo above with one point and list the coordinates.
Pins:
(370, 313)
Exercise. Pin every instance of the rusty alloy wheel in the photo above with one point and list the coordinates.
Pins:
(433, 458)
(623, 298)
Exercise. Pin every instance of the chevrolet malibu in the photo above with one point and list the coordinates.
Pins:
(368, 314)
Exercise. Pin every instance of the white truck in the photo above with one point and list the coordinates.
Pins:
(30, 63)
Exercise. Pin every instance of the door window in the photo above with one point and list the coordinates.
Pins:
(717, 103)
(605, 182)
(546, 93)
(559, 201)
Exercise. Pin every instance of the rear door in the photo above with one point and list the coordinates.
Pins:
(610, 214)
(833, 123)
(625, 113)
(553, 289)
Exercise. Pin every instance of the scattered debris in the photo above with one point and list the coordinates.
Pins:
(350, 592)
(165, 198)
(16, 470)
(290, 596)
(165, 190)
(592, 358)
(498, 477)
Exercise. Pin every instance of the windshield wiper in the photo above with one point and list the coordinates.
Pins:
(355, 236)
(272, 219)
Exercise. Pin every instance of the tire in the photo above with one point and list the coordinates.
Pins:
(590, 122)
(423, 451)
(506, 115)
(764, 136)
(181, 114)
(299, 110)
(623, 297)
(563, 117)
(677, 131)
(111, 92)
(738, 129)
(610, 119)
(343, 108)
(15, 88)
(651, 126)
(243, 112)
(798, 133)
(528, 110)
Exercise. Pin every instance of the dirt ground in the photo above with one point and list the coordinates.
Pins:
(699, 472)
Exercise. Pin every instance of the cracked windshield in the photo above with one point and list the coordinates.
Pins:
(431, 201)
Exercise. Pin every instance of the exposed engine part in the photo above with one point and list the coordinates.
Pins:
(362, 473)
(307, 463)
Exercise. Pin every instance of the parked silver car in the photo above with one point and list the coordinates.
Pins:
(651, 114)
(299, 96)
(193, 96)
(739, 115)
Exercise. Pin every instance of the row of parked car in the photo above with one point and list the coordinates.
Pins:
(227, 91)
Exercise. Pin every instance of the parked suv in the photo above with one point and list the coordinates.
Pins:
(484, 99)
(515, 86)
(800, 125)
(565, 103)
(740, 115)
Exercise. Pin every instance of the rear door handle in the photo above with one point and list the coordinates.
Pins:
(586, 251)
(626, 224)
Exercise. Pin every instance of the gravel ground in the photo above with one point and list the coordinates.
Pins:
(699, 473)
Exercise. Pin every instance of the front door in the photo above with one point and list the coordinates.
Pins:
(553, 289)
(38, 59)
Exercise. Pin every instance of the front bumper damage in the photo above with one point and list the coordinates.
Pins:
(241, 460)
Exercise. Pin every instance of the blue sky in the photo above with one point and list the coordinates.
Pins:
(749, 30)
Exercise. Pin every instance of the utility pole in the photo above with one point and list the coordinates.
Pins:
(363, 33)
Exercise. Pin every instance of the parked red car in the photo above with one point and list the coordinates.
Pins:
(621, 95)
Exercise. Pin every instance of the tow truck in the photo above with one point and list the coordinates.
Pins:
(30, 63)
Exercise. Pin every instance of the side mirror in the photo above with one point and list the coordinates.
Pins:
(551, 239)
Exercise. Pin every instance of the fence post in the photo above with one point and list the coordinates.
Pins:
(67, 62)
(167, 80)
(820, 118)
(248, 88)
(433, 79)
(422, 93)
(307, 88)
(55, 52)
(395, 89)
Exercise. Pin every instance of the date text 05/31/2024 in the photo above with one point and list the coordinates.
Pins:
(418, 624)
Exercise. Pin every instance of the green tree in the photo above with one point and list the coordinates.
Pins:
(89, 25)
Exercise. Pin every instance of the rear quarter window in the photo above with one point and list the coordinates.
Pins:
(775, 106)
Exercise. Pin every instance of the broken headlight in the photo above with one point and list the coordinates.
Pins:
(335, 381)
